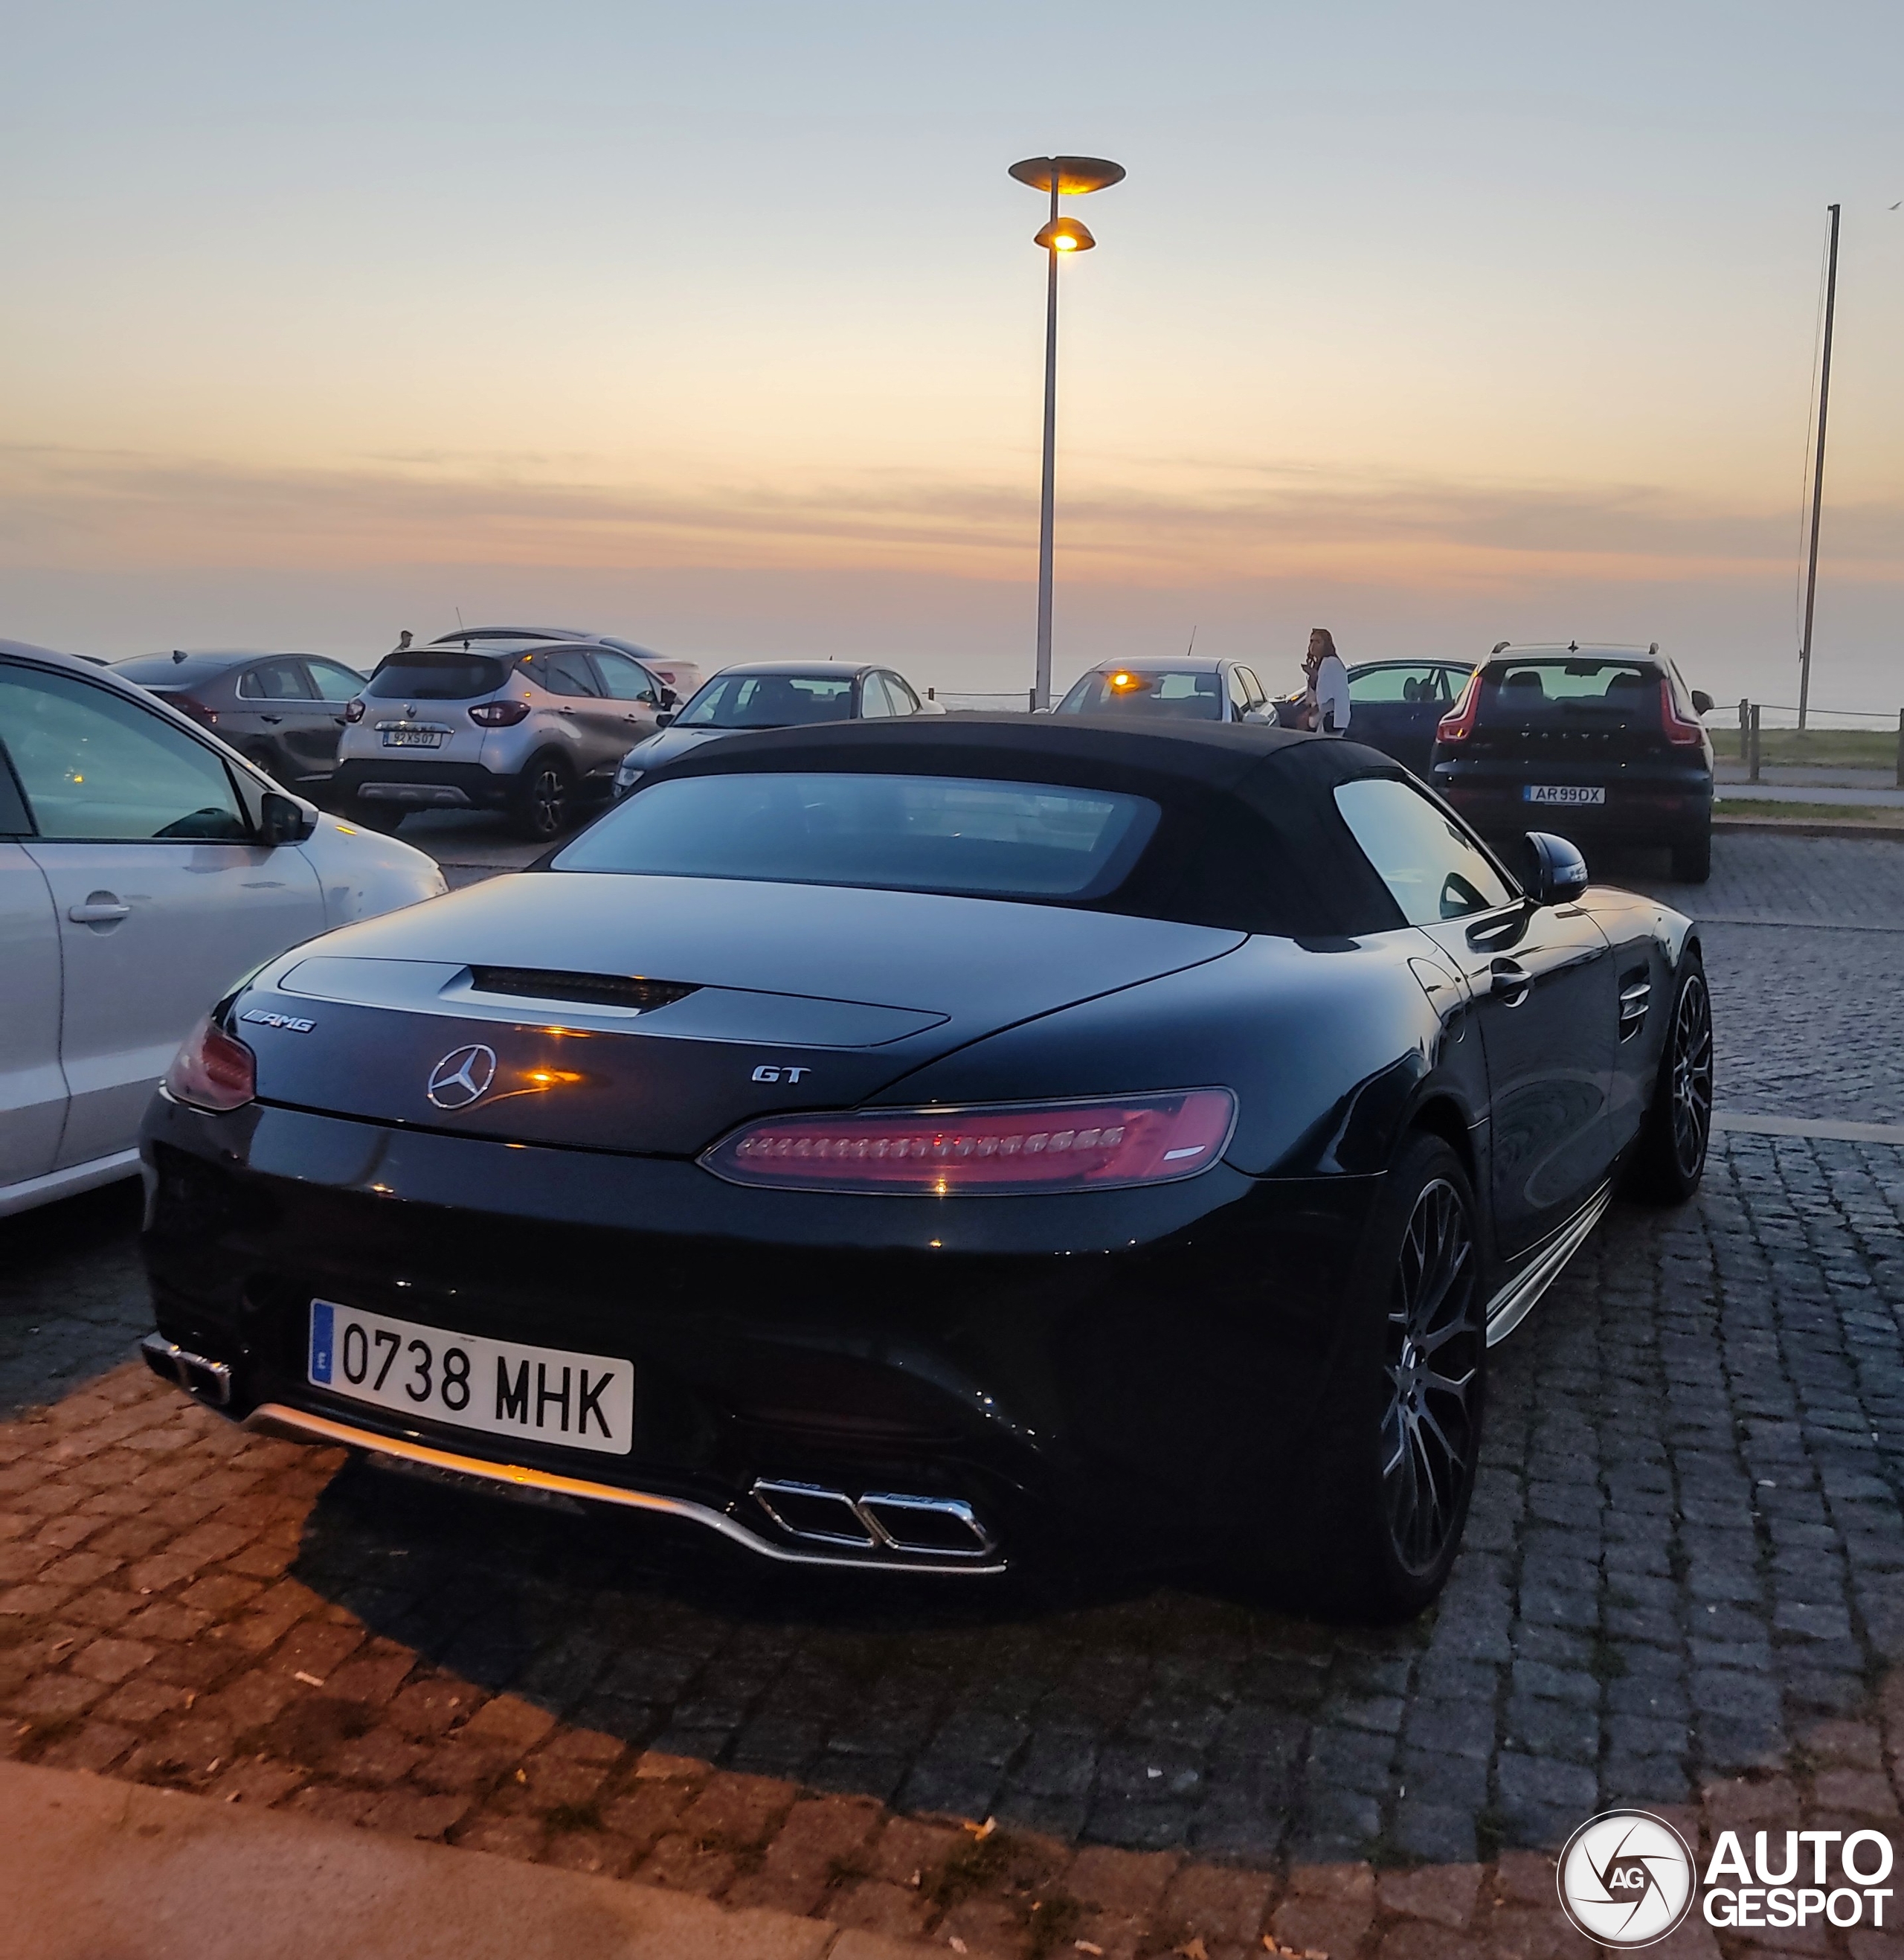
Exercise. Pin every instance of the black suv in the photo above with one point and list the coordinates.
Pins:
(1602, 744)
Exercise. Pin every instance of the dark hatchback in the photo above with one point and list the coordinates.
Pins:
(1602, 745)
(283, 711)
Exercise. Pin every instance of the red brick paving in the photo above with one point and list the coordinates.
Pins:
(150, 1629)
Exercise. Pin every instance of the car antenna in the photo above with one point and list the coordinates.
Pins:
(1192, 648)
(176, 656)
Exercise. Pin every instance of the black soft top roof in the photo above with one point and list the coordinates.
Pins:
(1250, 837)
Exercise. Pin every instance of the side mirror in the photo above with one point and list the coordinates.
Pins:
(670, 699)
(1559, 871)
(665, 718)
(1701, 702)
(1259, 716)
(283, 820)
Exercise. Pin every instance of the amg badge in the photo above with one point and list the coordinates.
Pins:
(265, 1018)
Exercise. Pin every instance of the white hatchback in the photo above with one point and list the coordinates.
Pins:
(145, 869)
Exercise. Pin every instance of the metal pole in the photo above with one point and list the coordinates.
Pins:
(1753, 759)
(1745, 723)
(1818, 472)
(1900, 747)
(1042, 694)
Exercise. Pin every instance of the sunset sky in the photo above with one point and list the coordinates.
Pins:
(719, 326)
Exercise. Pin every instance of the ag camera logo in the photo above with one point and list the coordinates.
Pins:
(1626, 1879)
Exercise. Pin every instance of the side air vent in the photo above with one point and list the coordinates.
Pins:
(1635, 995)
(598, 990)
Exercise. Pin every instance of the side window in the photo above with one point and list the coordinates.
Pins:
(335, 683)
(624, 679)
(1252, 688)
(899, 691)
(1435, 871)
(275, 680)
(96, 766)
(873, 698)
(1240, 703)
(564, 672)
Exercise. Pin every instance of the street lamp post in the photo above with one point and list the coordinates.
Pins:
(1068, 177)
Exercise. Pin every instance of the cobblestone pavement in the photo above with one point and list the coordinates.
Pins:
(1682, 1586)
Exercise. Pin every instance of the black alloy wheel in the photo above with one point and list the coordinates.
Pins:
(543, 799)
(1689, 1056)
(1669, 1160)
(1435, 1346)
(1371, 1516)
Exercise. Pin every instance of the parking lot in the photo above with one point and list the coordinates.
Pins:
(1682, 1586)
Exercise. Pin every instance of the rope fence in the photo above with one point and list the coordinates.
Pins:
(1755, 719)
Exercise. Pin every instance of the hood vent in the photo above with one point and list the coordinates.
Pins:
(600, 990)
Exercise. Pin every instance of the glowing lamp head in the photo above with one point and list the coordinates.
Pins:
(1065, 234)
(1121, 682)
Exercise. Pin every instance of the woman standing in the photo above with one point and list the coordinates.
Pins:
(1326, 701)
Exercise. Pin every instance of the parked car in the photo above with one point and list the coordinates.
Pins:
(145, 868)
(283, 711)
(969, 1137)
(1604, 744)
(683, 676)
(535, 730)
(1179, 688)
(774, 694)
(1396, 705)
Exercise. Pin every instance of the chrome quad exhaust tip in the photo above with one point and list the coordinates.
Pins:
(203, 1379)
(931, 1528)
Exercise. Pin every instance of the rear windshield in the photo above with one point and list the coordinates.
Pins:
(162, 670)
(426, 676)
(1562, 693)
(891, 833)
(1194, 697)
(769, 701)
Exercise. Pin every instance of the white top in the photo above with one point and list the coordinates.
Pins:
(1332, 694)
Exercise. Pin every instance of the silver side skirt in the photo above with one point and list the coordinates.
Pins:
(275, 1419)
(1515, 1300)
(67, 1183)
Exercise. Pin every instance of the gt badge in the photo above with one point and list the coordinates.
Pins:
(462, 1076)
(767, 1072)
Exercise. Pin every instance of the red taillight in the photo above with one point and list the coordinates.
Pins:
(1457, 724)
(207, 717)
(1682, 733)
(1120, 1140)
(352, 711)
(499, 714)
(212, 1072)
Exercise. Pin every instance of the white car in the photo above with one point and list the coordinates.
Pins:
(145, 869)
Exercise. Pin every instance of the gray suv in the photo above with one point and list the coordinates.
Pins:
(535, 732)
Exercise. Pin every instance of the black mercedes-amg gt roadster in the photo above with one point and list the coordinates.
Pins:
(930, 1145)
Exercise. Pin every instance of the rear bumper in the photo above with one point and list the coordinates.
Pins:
(1639, 808)
(409, 782)
(1136, 1370)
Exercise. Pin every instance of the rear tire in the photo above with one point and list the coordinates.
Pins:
(1400, 1422)
(542, 800)
(1692, 860)
(1669, 1160)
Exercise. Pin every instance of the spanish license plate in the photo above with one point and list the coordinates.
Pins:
(1562, 793)
(503, 1388)
(412, 738)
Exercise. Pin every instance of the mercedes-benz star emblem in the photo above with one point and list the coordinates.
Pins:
(462, 1076)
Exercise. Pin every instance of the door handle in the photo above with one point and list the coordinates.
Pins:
(273, 719)
(100, 908)
(1511, 983)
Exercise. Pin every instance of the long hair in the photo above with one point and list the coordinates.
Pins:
(1328, 638)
